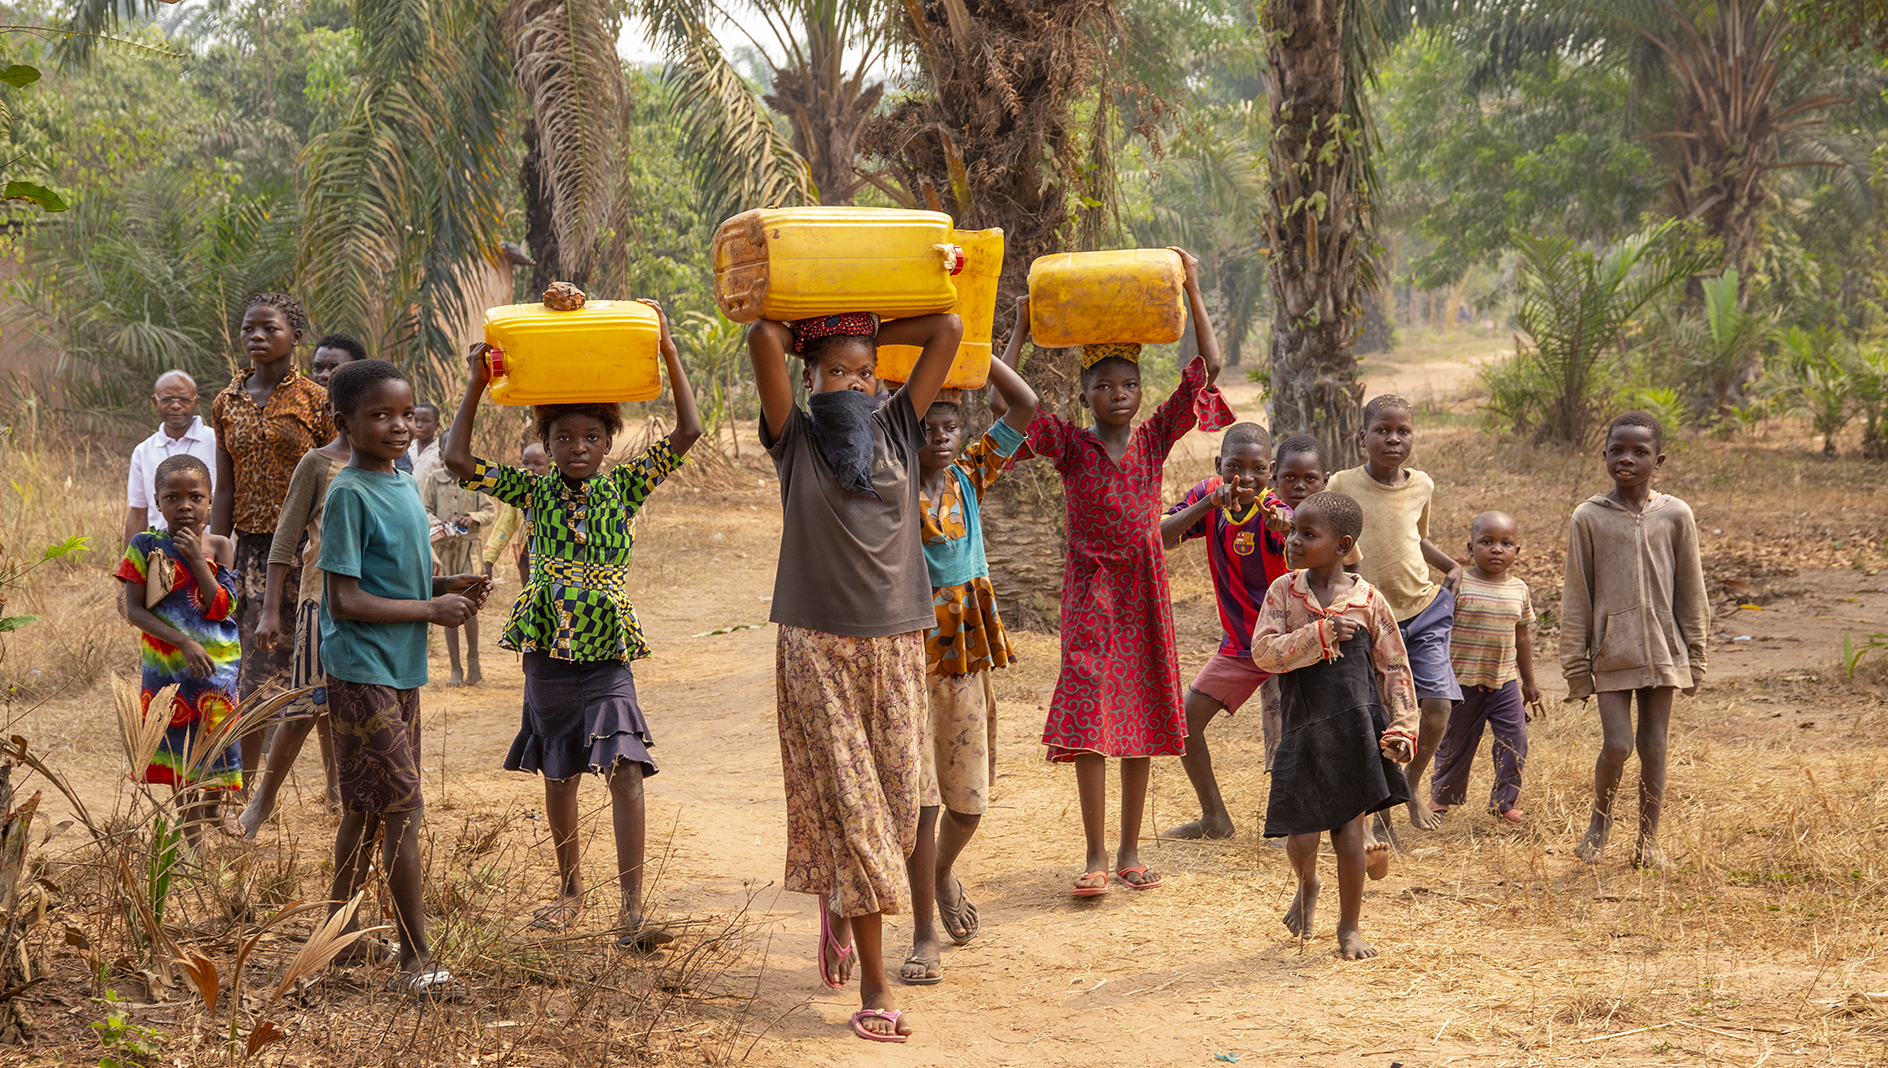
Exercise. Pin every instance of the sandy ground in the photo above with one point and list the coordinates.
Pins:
(1498, 947)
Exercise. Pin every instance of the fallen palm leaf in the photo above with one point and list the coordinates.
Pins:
(324, 945)
(263, 1034)
(203, 976)
(139, 729)
(208, 747)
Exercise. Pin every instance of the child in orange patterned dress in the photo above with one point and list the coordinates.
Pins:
(958, 756)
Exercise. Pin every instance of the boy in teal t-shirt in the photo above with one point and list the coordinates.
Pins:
(380, 596)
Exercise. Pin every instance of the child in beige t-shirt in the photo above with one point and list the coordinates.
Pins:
(1397, 559)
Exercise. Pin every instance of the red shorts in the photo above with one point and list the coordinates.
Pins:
(1230, 680)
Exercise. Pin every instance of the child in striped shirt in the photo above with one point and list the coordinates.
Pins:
(1493, 658)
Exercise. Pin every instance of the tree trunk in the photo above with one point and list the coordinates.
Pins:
(540, 235)
(827, 109)
(1314, 221)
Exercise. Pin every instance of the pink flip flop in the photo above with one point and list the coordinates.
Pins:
(1091, 891)
(840, 954)
(890, 1015)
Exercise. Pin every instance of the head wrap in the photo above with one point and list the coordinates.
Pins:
(842, 431)
(849, 324)
(1094, 354)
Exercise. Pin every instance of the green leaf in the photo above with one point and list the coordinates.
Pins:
(38, 194)
(76, 543)
(12, 623)
(19, 75)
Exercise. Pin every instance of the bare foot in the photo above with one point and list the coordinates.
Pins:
(1648, 855)
(473, 676)
(1376, 858)
(251, 820)
(1421, 818)
(232, 826)
(1350, 942)
(1514, 816)
(1201, 828)
(457, 679)
(1593, 845)
(1303, 911)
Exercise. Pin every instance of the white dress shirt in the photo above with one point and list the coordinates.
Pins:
(141, 488)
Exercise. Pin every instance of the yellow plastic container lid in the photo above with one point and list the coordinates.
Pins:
(606, 351)
(783, 264)
(1126, 296)
(976, 306)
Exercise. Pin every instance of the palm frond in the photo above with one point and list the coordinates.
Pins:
(742, 159)
(563, 55)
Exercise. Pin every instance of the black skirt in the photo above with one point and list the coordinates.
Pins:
(579, 716)
(1329, 769)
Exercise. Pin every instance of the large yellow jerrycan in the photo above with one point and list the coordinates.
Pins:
(782, 264)
(1102, 298)
(605, 351)
(976, 306)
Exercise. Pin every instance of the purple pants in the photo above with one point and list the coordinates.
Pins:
(1502, 711)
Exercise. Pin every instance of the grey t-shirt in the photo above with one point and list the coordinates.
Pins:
(849, 564)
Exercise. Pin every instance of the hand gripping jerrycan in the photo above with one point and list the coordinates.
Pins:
(604, 352)
(1101, 298)
(782, 264)
(976, 306)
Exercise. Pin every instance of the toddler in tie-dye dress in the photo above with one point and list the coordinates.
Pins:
(203, 617)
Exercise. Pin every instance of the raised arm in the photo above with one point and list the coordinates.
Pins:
(938, 337)
(1019, 400)
(456, 451)
(1011, 354)
(767, 345)
(687, 416)
(1202, 323)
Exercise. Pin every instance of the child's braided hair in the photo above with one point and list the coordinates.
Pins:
(290, 308)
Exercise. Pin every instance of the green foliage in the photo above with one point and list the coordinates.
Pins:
(1547, 151)
(1813, 382)
(151, 277)
(127, 1044)
(1732, 356)
(1575, 306)
(1854, 652)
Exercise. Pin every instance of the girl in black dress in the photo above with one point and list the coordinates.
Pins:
(1347, 707)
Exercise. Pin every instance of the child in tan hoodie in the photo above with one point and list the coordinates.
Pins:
(1633, 622)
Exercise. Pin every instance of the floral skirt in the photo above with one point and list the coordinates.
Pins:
(851, 718)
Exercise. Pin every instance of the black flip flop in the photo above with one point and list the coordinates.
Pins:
(964, 916)
(929, 980)
(645, 938)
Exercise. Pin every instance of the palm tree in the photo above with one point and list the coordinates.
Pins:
(563, 57)
(1750, 95)
(1321, 66)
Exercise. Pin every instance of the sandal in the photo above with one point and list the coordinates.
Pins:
(1140, 870)
(555, 917)
(644, 937)
(926, 963)
(889, 1015)
(841, 955)
(963, 917)
(432, 983)
(1090, 891)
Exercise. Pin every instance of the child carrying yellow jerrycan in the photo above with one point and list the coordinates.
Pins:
(1122, 297)
(570, 349)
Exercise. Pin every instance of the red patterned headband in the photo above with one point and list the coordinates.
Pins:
(850, 324)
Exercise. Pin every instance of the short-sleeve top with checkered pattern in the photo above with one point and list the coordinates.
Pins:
(576, 606)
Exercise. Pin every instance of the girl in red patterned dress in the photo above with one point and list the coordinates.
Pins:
(1119, 691)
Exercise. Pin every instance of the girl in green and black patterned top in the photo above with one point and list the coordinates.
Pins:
(574, 623)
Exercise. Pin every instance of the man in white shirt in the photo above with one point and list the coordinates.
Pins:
(175, 397)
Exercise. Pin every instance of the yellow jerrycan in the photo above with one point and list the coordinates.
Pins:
(1103, 298)
(976, 306)
(782, 264)
(605, 351)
